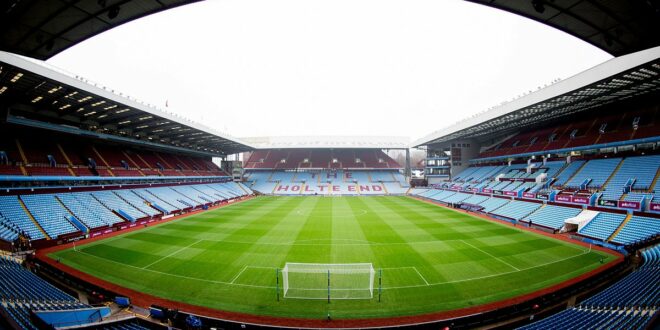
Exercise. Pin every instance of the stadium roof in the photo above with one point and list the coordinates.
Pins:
(328, 142)
(617, 27)
(620, 78)
(38, 94)
(43, 28)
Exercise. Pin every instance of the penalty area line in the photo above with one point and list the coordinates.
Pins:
(420, 275)
(237, 275)
(492, 256)
(171, 254)
(492, 275)
(175, 275)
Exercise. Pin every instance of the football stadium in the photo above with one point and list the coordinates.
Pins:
(540, 213)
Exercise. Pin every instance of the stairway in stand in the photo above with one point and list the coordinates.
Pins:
(29, 214)
(623, 224)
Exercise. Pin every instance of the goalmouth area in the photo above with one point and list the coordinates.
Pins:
(329, 281)
(422, 259)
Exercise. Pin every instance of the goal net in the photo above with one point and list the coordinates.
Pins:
(328, 281)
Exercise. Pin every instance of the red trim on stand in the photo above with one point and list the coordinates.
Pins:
(99, 187)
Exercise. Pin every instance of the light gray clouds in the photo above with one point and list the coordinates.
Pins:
(329, 67)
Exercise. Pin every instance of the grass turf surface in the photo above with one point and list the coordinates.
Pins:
(432, 259)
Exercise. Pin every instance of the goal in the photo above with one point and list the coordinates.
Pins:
(328, 281)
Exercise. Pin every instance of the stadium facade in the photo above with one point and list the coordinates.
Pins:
(318, 165)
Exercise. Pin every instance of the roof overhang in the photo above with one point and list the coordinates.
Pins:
(328, 142)
(617, 27)
(37, 90)
(43, 28)
(620, 78)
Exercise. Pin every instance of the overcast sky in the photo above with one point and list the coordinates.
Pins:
(329, 67)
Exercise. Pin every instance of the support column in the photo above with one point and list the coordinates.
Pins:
(408, 172)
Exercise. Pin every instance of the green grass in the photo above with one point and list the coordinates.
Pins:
(432, 258)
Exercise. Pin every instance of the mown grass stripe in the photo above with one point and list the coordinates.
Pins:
(244, 243)
(492, 256)
(171, 254)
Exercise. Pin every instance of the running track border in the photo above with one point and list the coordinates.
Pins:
(145, 300)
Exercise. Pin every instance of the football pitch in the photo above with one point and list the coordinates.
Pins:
(431, 258)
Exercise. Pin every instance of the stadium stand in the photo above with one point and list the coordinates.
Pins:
(631, 179)
(603, 225)
(88, 210)
(319, 159)
(475, 199)
(635, 197)
(578, 318)
(125, 203)
(442, 195)
(609, 127)
(67, 213)
(8, 231)
(552, 216)
(172, 197)
(23, 291)
(493, 204)
(630, 303)
(61, 156)
(606, 226)
(636, 173)
(594, 174)
(517, 209)
(26, 295)
(320, 182)
(50, 214)
(568, 172)
(131, 198)
(14, 213)
(638, 228)
(456, 198)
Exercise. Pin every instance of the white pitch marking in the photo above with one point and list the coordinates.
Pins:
(237, 275)
(499, 259)
(488, 276)
(420, 275)
(263, 267)
(175, 275)
(270, 287)
(404, 267)
(352, 242)
(171, 254)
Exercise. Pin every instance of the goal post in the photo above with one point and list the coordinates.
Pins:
(328, 281)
